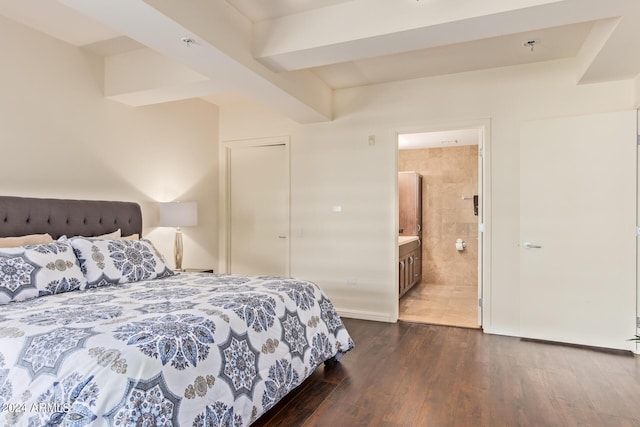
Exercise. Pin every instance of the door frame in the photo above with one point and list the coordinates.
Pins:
(224, 199)
(637, 346)
(484, 207)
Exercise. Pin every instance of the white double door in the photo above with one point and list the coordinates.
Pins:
(578, 229)
(258, 201)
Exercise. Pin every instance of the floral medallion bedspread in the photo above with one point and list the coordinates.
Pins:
(187, 350)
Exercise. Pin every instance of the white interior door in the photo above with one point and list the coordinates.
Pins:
(577, 214)
(258, 179)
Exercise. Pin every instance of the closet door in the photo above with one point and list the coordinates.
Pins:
(577, 229)
(258, 178)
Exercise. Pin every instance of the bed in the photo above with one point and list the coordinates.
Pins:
(100, 332)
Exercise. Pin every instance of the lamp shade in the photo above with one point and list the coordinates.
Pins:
(178, 214)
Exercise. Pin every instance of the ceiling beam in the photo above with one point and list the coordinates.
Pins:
(328, 36)
(301, 96)
(602, 56)
(361, 29)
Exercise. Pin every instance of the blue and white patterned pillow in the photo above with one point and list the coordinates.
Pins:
(35, 270)
(110, 262)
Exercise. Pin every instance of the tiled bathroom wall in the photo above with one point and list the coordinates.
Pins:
(449, 174)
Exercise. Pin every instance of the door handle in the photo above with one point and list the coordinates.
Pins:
(529, 245)
(282, 237)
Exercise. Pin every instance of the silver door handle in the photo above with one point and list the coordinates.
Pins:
(282, 237)
(529, 245)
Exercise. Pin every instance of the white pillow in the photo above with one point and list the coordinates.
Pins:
(107, 262)
(34, 270)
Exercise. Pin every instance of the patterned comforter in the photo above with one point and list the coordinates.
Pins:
(187, 350)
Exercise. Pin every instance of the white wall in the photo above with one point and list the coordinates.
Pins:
(332, 164)
(59, 137)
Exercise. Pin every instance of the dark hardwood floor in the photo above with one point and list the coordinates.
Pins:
(408, 374)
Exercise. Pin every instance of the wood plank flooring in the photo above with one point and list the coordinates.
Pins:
(408, 374)
(441, 304)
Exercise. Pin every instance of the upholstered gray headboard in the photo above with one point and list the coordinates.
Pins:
(23, 215)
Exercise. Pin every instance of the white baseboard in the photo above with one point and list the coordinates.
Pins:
(498, 331)
(634, 350)
(365, 315)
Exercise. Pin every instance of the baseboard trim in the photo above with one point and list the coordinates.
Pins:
(635, 350)
(365, 315)
(504, 332)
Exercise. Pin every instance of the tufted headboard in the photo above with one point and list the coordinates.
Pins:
(23, 215)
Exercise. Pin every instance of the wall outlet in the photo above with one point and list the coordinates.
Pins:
(352, 281)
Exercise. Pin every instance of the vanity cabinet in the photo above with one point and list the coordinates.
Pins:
(410, 224)
(410, 265)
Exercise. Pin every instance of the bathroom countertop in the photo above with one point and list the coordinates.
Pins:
(406, 239)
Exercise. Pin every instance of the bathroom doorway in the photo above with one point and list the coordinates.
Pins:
(449, 289)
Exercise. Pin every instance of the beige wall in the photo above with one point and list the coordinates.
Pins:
(448, 174)
(332, 163)
(59, 137)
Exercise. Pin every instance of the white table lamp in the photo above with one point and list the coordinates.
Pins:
(178, 214)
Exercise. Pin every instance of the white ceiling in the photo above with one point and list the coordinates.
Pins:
(257, 10)
(291, 54)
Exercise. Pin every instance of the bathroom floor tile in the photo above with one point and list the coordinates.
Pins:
(442, 304)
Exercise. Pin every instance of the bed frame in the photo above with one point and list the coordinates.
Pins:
(20, 216)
